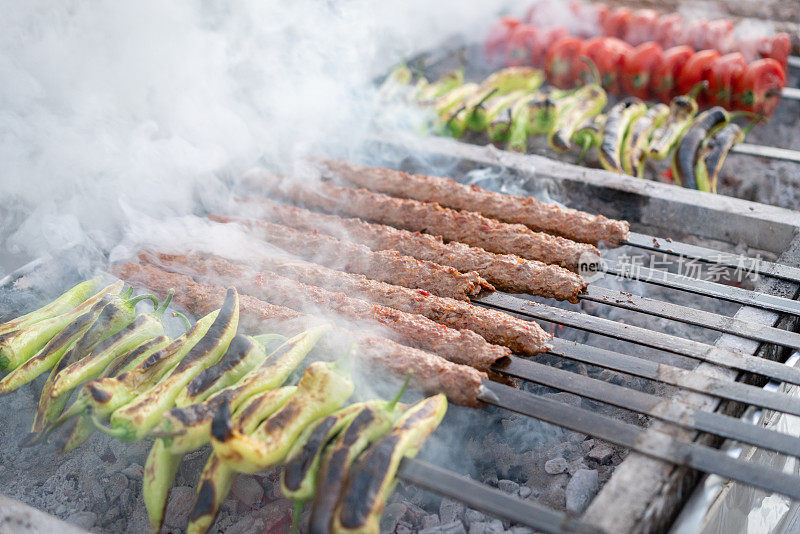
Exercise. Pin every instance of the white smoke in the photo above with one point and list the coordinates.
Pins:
(110, 111)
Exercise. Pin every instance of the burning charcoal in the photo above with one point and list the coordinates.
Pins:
(392, 515)
(133, 472)
(248, 491)
(508, 486)
(456, 527)
(116, 485)
(430, 521)
(525, 492)
(555, 466)
(473, 516)
(601, 453)
(587, 445)
(554, 497)
(180, 504)
(83, 519)
(403, 528)
(581, 489)
(450, 510)
(492, 527)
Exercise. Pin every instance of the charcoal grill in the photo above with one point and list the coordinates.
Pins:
(644, 493)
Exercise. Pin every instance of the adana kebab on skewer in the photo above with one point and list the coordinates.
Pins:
(506, 272)
(464, 226)
(537, 215)
(525, 337)
(384, 265)
(459, 346)
(429, 373)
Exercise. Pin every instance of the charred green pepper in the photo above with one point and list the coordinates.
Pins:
(684, 159)
(585, 103)
(427, 93)
(713, 153)
(165, 456)
(135, 420)
(633, 151)
(322, 389)
(244, 354)
(63, 304)
(19, 346)
(106, 318)
(372, 477)
(616, 130)
(681, 111)
(589, 134)
(214, 485)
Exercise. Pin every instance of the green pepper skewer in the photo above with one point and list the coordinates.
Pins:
(19, 346)
(236, 363)
(134, 421)
(322, 389)
(372, 477)
(684, 159)
(66, 302)
(616, 130)
(585, 103)
(633, 151)
(681, 111)
(108, 394)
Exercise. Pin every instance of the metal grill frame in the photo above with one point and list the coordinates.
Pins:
(643, 495)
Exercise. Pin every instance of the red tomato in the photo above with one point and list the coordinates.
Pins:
(667, 30)
(696, 69)
(641, 27)
(665, 75)
(638, 68)
(759, 89)
(615, 24)
(726, 72)
(590, 49)
(559, 61)
(609, 62)
(497, 38)
(779, 47)
(520, 46)
(545, 39)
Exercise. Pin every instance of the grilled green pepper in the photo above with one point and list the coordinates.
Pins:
(483, 115)
(589, 134)
(322, 389)
(395, 83)
(82, 426)
(302, 461)
(19, 346)
(633, 151)
(66, 302)
(214, 486)
(684, 159)
(243, 355)
(479, 108)
(681, 111)
(585, 103)
(427, 93)
(713, 153)
(109, 315)
(369, 425)
(166, 454)
(188, 428)
(372, 478)
(144, 328)
(135, 420)
(616, 130)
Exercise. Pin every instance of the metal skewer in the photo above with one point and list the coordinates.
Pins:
(654, 406)
(692, 316)
(707, 255)
(791, 93)
(702, 287)
(667, 374)
(645, 441)
(793, 61)
(764, 151)
(642, 336)
(490, 500)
